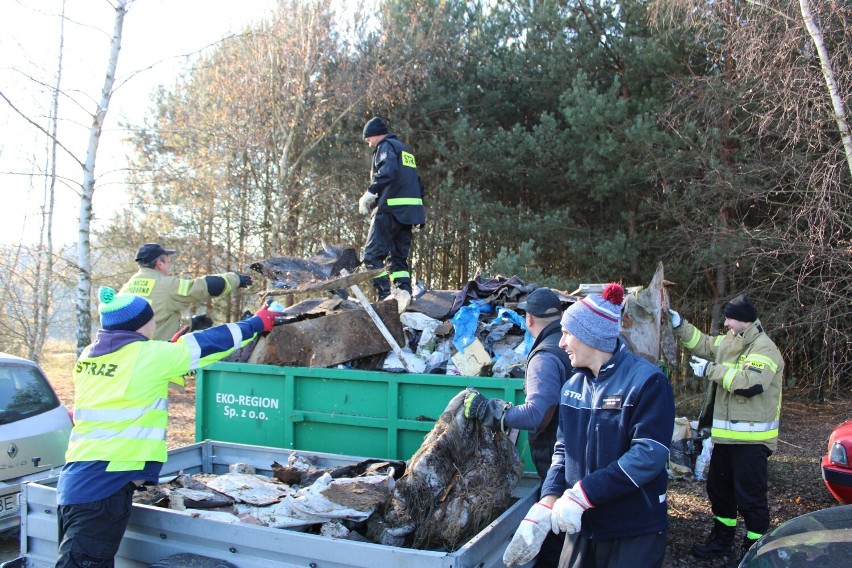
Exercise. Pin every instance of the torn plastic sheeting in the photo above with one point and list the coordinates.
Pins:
(310, 505)
(515, 318)
(465, 323)
(393, 363)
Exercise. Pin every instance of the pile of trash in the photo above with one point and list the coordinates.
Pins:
(481, 333)
(476, 331)
(459, 481)
(691, 448)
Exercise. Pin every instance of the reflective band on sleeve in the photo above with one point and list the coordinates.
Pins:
(106, 415)
(729, 378)
(381, 275)
(761, 359)
(227, 289)
(134, 433)
(693, 341)
(396, 201)
(718, 340)
(236, 333)
(183, 287)
(194, 351)
(400, 274)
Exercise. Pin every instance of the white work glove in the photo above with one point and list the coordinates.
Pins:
(528, 538)
(699, 366)
(366, 202)
(675, 318)
(568, 510)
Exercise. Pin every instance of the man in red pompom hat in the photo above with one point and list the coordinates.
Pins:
(607, 482)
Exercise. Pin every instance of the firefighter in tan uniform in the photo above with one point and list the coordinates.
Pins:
(170, 295)
(744, 372)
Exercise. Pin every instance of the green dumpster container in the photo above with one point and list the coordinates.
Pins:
(340, 411)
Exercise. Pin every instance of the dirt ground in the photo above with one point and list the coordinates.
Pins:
(795, 480)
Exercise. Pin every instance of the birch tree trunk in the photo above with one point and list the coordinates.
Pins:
(45, 282)
(84, 279)
(828, 73)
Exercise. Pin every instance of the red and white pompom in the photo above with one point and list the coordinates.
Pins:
(613, 293)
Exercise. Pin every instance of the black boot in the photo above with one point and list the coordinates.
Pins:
(719, 543)
(382, 287)
(735, 560)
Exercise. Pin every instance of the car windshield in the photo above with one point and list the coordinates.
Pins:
(24, 392)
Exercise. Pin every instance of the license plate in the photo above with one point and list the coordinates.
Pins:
(10, 505)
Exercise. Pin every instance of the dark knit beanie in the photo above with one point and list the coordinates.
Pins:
(741, 309)
(374, 127)
(594, 319)
(123, 311)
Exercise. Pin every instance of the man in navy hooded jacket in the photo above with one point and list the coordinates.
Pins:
(607, 483)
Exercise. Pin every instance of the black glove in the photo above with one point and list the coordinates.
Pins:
(489, 412)
(245, 280)
(199, 322)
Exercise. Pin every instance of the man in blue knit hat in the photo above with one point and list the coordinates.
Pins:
(395, 201)
(118, 442)
(606, 487)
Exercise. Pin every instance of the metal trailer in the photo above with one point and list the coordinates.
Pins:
(156, 533)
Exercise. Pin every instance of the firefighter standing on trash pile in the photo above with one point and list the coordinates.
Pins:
(744, 372)
(548, 366)
(170, 295)
(395, 198)
(606, 488)
(118, 442)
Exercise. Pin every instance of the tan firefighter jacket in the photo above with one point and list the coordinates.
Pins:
(744, 389)
(170, 295)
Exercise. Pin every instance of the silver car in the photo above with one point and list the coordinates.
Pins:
(34, 431)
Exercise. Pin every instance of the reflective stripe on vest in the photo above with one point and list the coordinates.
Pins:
(397, 201)
(114, 415)
(400, 274)
(110, 425)
(132, 433)
(735, 430)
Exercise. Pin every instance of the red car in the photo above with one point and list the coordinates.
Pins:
(836, 467)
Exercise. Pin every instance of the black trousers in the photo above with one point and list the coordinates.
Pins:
(738, 481)
(90, 533)
(389, 238)
(645, 551)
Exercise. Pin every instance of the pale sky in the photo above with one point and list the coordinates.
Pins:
(163, 35)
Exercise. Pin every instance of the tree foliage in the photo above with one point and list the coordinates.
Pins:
(564, 141)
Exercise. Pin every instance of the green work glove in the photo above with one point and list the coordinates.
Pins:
(490, 413)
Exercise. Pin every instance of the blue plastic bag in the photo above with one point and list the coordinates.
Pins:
(515, 318)
(465, 323)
